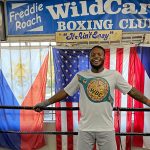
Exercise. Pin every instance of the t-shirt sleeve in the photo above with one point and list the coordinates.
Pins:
(122, 84)
(72, 87)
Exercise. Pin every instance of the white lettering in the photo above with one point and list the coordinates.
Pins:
(11, 15)
(98, 24)
(18, 25)
(108, 4)
(84, 8)
(144, 8)
(89, 24)
(22, 25)
(40, 7)
(84, 25)
(59, 10)
(134, 23)
(74, 10)
(61, 26)
(33, 9)
(71, 25)
(81, 25)
(96, 9)
(99, 7)
(142, 23)
(21, 14)
(123, 24)
(107, 24)
(129, 8)
(27, 11)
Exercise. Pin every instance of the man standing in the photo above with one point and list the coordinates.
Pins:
(96, 87)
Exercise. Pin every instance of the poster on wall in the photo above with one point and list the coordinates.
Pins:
(48, 17)
(2, 23)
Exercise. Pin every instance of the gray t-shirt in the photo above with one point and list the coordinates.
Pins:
(96, 97)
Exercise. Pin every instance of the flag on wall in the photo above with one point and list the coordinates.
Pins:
(142, 77)
(132, 62)
(67, 62)
(23, 76)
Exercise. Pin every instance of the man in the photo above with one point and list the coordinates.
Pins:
(96, 87)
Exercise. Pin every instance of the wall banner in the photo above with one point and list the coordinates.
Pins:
(51, 16)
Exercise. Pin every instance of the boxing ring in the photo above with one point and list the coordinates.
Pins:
(64, 133)
(117, 109)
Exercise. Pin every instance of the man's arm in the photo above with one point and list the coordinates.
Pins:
(56, 98)
(137, 95)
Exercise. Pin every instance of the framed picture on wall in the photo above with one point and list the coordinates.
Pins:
(2, 23)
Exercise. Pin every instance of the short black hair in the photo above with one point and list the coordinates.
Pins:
(99, 47)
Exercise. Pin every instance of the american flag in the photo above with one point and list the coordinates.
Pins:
(132, 62)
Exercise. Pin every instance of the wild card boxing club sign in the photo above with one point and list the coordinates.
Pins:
(49, 17)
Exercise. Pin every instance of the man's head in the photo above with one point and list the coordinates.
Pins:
(97, 57)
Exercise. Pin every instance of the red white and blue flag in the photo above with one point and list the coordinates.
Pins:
(23, 76)
(134, 64)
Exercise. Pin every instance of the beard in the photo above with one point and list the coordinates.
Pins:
(97, 67)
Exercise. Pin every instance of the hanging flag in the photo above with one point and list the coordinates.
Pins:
(128, 62)
(67, 62)
(23, 76)
(142, 77)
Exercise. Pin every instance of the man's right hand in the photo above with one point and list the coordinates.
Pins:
(40, 106)
(56, 98)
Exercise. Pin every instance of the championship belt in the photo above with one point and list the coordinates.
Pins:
(96, 89)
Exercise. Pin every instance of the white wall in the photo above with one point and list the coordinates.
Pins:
(49, 138)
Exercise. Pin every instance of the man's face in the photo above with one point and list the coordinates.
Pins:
(97, 58)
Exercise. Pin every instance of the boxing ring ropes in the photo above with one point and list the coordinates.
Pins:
(72, 109)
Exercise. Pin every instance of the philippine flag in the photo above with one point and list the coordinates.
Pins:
(22, 83)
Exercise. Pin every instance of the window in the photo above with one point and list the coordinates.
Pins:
(50, 85)
(50, 88)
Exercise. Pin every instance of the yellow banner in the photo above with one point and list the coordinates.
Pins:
(89, 36)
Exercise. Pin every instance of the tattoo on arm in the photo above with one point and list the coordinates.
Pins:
(137, 95)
